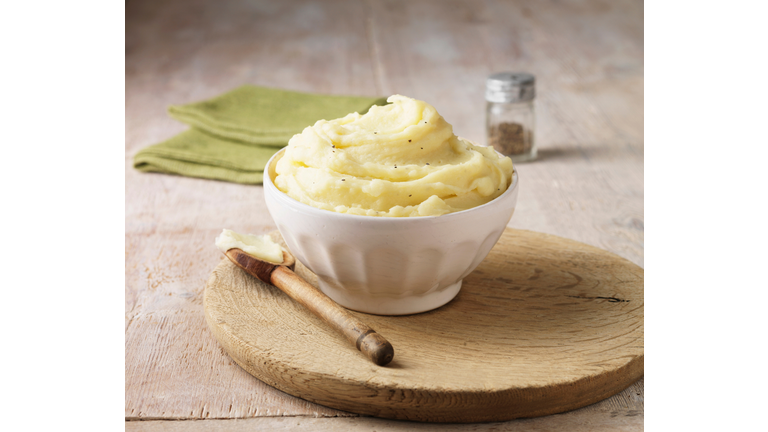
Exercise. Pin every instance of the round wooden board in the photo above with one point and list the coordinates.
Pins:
(543, 325)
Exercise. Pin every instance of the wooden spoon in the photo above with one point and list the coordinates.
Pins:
(367, 341)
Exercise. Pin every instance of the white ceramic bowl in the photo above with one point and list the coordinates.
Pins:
(383, 265)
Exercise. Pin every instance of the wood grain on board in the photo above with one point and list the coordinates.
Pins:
(544, 325)
(587, 185)
(331, 314)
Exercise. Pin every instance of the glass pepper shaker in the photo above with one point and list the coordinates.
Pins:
(510, 115)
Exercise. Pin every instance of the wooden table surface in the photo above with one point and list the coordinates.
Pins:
(587, 184)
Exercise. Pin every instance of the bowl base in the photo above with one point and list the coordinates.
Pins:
(391, 306)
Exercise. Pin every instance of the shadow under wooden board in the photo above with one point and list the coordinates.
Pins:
(544, 325)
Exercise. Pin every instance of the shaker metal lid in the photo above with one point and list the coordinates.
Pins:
(510, 87)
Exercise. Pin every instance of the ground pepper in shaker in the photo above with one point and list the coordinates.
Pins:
(510, 114)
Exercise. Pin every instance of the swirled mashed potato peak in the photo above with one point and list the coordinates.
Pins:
(398, 160)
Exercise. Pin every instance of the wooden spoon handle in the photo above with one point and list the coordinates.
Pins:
(370, 343)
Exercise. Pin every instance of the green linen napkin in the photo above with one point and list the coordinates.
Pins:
(234, 135)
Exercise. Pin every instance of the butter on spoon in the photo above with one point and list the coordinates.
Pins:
(258, 256)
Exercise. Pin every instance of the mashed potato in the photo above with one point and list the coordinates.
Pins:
(259, 246)
(398, 160)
